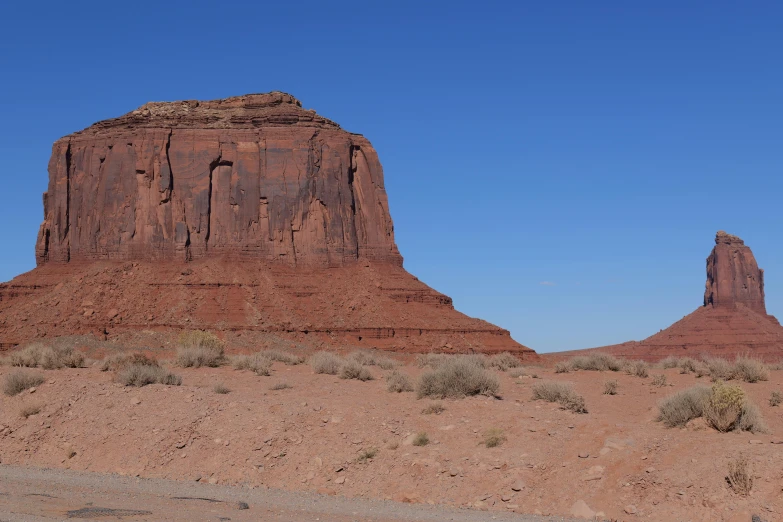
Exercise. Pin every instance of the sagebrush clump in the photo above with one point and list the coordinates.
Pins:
(610, 388)
(258, 363)
(457, 378)
(503, 361)
(119, 361)
(38, 355)
(354, 370)
(367, 358)
(398, 382)
(326, 362)
(724, 407)
(144, 374)
(560, 393)
(775, 398)
(20, 380)
(494, 437)
(683, 406)
(200, 349)
(740, 475)
(599, 362)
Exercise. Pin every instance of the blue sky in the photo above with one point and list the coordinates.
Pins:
(558, 168)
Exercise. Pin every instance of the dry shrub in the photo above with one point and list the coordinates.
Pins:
(670, 362)
(659, 380)
(563, 367)
(436, 360)
(683, 406)
(258, 363)
(221, 389)
(560, 393)
(740, 476)
(637, 368)
(701, 370)
(687, 365)
(121, 360)
(720, 369)
(41, 356)
(144, 374)
(325, 362)
(503, 361)
(599, 362)
(354, 370)
(776, 366)
(28, 410)
(421, 439)
(775, 398)
(287, 358)
(435, 408)
(517, 372)
(750, 370)
(281, 386)
(494, 437)
(19, 380)
(366, 358)
(610, 388)
(433, 360)
(367, 454)
(751, 419)
(397, 382)
(199, 349)
(457, 378)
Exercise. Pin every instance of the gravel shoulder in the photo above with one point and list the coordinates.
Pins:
(34, 494)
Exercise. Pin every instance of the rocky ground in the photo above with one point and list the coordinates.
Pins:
(615, 461)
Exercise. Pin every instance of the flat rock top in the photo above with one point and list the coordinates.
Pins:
(238, 112)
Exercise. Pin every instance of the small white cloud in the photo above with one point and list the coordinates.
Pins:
(547, 283)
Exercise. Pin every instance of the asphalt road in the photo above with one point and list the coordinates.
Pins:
(33, 495)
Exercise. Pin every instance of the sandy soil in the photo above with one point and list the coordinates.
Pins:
(615, 460)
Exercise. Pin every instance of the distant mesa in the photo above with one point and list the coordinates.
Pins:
(248, 215)
(732, 321)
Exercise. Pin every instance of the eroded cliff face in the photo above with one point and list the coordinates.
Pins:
(733, 277)
(251, 176)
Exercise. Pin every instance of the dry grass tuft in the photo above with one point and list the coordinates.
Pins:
(775, 398)
(398, 382)
(740, 476)
(517, 372)
(367, 454)
(367, 358)
(750, 370)
(258, 363)
(38, 355)
(457, 378)
(221, 389)
(670, 362)
(421, 439)
(610, 388)
(435, 408)
(144, 374)
(503, 361)
(563, 367)
(354, 370)
(281, 386)
(659, 380)
(494, 437)
(683, 406)
(560, 393)
(687, 365)
(20, 380)
(28, 410)
(326, 362)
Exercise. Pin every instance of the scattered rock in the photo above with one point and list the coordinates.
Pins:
(584, 455)
(135, 401)
(242, 505)
(630, 509)
(582, 510)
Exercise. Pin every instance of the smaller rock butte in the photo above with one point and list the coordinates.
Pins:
(733, 320)
(250, 216)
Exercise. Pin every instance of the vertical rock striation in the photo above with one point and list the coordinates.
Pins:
(733, 277)
(250, 176)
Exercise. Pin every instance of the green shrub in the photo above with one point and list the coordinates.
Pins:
(457, 378)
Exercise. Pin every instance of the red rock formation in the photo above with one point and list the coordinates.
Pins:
(733, 320)
(733, 277)
(248, 215)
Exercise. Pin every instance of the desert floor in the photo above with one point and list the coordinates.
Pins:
(615, 460)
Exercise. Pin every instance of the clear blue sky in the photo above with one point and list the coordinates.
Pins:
(558, 168)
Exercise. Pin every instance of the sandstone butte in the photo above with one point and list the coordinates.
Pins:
(732, 321)
(248, 215)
